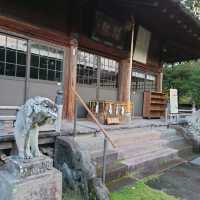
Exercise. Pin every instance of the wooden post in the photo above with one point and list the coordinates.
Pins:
(159, 80)
(70, 79)
(124, 81)
(125, 75)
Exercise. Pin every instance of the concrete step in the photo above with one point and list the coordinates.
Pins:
(148, 159)
(178, 144)
(140, 152)
(157, 168)
(114, 171)
(111, 156)
(92, 143)
(133, 149)
(131, 139)
(187, 153)
(132, 133)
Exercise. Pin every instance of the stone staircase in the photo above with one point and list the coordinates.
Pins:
(139, 151)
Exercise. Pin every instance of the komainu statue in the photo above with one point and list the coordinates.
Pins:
(36, 112)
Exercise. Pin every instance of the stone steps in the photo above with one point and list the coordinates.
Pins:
(164, 154)
(114, 171)
(111, 156)
(129, 139)
(187, 153)
(157, 167)
(136, 149)
(139, 151)
(178, 144)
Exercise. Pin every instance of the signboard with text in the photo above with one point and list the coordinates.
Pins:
(173, 101)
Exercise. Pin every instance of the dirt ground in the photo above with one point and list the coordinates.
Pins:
(182, 182)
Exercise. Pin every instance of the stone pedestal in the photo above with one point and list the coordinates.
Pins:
(34, 179)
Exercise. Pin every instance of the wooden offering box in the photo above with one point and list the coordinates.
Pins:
(108, 112)
(154, 104)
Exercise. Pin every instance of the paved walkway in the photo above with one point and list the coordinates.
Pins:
(135, 123)
(182, 181)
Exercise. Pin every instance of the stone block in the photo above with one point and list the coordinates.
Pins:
(33, 180)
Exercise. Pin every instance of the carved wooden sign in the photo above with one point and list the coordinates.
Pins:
(109, 30)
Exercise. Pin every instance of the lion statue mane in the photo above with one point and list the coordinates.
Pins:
(36, 112)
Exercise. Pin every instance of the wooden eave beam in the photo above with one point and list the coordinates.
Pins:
(30, 30)
(102, 49)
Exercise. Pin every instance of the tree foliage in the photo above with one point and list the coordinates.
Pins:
(193, 5)
(186, 78)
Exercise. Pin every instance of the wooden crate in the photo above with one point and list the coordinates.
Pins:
(154, 104)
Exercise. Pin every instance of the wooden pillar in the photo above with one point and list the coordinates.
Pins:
(159, 80)
(124, 87)
(70, 79)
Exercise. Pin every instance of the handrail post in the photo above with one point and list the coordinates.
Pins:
(104, 160)
(106, 136)
(75, 118)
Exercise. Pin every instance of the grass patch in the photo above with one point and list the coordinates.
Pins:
(71, 195)
(140, 191)
(151, 178)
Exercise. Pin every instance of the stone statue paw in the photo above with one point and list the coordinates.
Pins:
(28, 155)
(37, 153)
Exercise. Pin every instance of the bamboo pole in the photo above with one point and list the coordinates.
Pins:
(94, 118)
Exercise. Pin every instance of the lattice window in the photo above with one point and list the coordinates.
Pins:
(138, 81)
(87, 68)
(150, 83)
(13, 54)
(46, 62)
(109, 73)
(142, 81)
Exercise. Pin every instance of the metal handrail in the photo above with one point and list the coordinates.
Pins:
(106, 136)
(94, 118)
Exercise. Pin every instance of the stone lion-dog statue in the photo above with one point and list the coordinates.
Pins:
(36, 112)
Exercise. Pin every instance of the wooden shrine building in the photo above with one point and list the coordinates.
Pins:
(86, 44)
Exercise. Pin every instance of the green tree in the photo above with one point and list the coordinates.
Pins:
(194, 86)
(186, 79)
(193, 5)
(188, 3)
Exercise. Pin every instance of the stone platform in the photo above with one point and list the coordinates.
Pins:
(34, 179)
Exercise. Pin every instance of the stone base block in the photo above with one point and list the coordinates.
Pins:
(43, 186)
